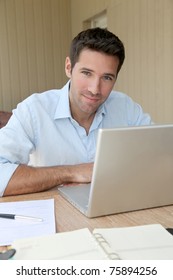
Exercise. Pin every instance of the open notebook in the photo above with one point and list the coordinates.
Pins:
(139, 243)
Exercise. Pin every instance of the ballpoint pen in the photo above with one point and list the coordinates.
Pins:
(17, 217)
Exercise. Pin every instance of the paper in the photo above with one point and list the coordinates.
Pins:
(147, 242)
(74, 245)
(11, 230)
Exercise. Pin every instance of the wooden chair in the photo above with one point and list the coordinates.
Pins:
(4, 117)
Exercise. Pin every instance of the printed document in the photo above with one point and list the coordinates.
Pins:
(11, 229)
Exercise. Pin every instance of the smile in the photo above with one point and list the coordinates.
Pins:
(92, 99)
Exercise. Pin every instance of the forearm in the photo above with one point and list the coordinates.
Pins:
(27, 179)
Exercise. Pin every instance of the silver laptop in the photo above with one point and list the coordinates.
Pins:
(133, 170)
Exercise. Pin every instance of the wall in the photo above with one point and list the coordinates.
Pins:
(35, 37)
(34, 41)
(146, 28)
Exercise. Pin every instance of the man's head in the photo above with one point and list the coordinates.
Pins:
(100, 40)
(95, 59)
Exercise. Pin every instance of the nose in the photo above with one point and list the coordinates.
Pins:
(94, 86)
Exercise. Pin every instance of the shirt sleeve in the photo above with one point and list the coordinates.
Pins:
(17, 143)
(135, 114)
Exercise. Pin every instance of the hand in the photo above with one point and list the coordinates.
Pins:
(82, 173)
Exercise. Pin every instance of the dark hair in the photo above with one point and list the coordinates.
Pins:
(97, 39)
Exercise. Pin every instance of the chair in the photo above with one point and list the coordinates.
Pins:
(4, 117)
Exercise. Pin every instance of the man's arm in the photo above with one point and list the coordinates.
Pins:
(27, 179)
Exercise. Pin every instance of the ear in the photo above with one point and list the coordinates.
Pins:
(68, 67)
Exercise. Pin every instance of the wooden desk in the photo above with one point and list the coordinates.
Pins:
(68, 218)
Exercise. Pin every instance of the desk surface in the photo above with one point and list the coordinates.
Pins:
(68, 218)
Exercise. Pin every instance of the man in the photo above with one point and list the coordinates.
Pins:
(51, 137)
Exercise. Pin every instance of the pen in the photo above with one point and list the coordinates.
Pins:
(19, 217)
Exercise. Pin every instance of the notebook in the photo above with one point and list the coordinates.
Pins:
(133, 170)
(145, 242)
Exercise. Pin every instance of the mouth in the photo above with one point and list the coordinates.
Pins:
(91, 99)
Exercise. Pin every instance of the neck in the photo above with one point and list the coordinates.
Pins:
(84, 121)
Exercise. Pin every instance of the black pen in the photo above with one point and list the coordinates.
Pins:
(19, 217)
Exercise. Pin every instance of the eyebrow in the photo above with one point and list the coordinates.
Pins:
(107, 74)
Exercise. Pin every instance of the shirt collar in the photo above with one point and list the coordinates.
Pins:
(63, 107)
(101, 110)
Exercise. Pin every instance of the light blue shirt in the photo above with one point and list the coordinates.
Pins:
(42, 132)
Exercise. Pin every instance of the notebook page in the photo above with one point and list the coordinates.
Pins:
(73, 245)
(139, 242)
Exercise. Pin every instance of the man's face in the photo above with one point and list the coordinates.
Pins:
(92, 79)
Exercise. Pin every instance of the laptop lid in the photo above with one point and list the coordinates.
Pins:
(133, 170)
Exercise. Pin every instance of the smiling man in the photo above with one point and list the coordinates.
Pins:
(51, 137)
(92, 79)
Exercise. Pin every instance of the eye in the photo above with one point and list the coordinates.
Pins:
(107, 78)
(86, 73)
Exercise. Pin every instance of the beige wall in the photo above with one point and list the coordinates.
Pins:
(35, 37)
(146, 28)
(34, 40)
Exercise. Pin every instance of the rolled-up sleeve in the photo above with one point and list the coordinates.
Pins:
(7, 170)
(15, 146)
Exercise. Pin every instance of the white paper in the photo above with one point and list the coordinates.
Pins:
(73, 245)
(146, 242)
(11, 230)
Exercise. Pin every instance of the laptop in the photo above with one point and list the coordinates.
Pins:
(133, 170)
